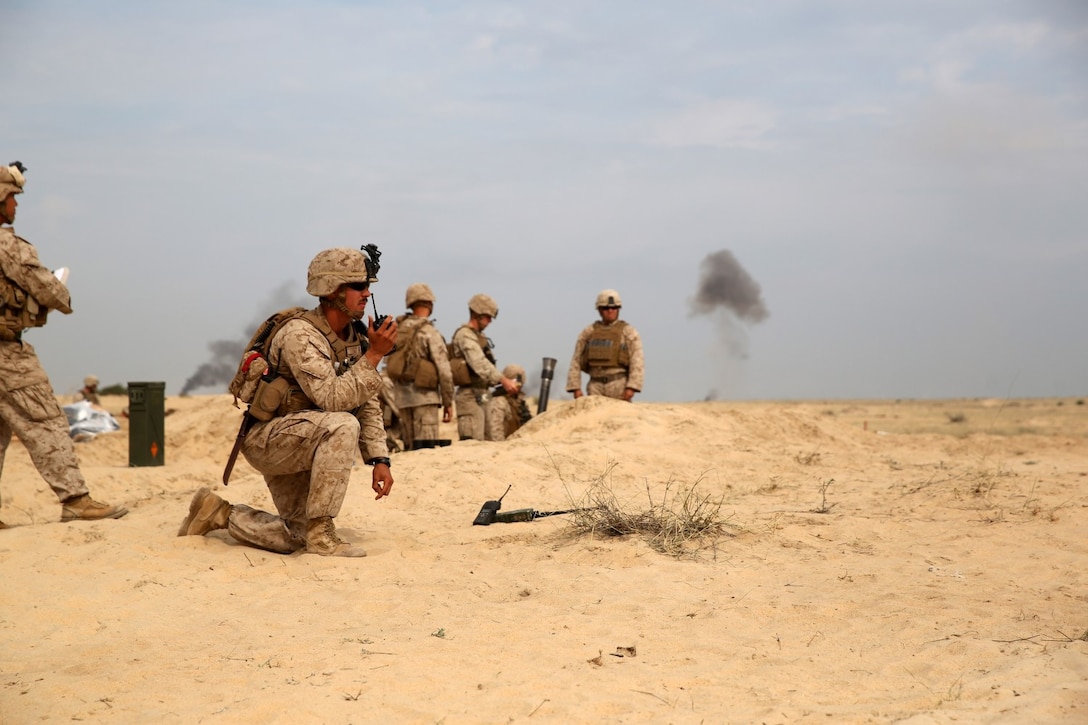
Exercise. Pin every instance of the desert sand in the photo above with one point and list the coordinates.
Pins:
(883, 561)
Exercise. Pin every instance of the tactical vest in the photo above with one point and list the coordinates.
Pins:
(279, 393)
(606, 347)
(463, 374)
(20, 309)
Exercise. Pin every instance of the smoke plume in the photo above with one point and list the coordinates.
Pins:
(729, 294)
(726, 285)
(226, 354)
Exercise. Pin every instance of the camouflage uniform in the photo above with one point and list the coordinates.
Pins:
(316, 403)
(89, 392)
(471, 399)
(306, 456)
(607, 381)
(506, 412)
(392, 418)
(28, 405)
(419, 407)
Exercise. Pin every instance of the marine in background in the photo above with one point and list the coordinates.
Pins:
(89, 391)
(323, 409)
(506, 412)
(472, 362)
(420, 370)
(28, 405)
(610, 351)
(391, 417)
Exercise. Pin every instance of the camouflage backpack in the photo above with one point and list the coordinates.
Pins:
(401, 364)
(254, 363)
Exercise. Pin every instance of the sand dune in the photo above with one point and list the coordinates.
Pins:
(917, 561)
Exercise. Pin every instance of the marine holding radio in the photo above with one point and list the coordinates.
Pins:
(311, 380)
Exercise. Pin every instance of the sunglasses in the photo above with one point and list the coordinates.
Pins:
(610, 307)
(359, 286)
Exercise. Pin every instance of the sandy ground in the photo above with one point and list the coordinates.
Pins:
(886, 561)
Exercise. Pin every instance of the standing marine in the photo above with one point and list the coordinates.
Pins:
(472, 361)
(420, 370)
(28, 405)
(321, 401)
(610, 351)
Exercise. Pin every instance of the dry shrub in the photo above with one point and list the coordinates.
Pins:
(682, 523)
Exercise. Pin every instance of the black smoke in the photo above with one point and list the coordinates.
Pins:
(725, 285)
(729, 294)
(227, 354)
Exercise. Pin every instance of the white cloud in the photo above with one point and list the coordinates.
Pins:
(1021, 36)
(723, 124)
(977, 50)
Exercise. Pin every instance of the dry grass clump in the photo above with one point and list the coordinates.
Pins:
(682, 523)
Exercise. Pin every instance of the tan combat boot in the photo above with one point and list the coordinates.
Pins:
(321, 539)
(85, 508)
(207, 512)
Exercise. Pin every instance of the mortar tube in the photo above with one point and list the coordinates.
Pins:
(546, 374)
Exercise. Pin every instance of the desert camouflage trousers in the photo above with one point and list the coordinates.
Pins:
(611, 389)
(471, 414)
(29, 410)
(419, 423)
(306, 460)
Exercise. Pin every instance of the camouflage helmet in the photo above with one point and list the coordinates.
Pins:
(11, 179)
(90, 381)
(418, 292)
(334, 267)
(483, 305)
(514, 372)
(608, 298)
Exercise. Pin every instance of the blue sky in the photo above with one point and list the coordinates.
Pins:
(903, 181)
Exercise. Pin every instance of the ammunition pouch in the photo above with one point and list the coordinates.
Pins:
(426, 375)
(462, 374)
(271, 394)
(18, 310)
(10, 330)
(397, 370)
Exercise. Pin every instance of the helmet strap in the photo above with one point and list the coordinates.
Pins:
(338, 303)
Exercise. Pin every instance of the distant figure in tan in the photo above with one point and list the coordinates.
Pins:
(472, 362)
(506, 412)
(421, 371)
(89, 392)
(610, 350)
(28, 405)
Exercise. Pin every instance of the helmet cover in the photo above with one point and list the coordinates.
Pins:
(331, 268)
